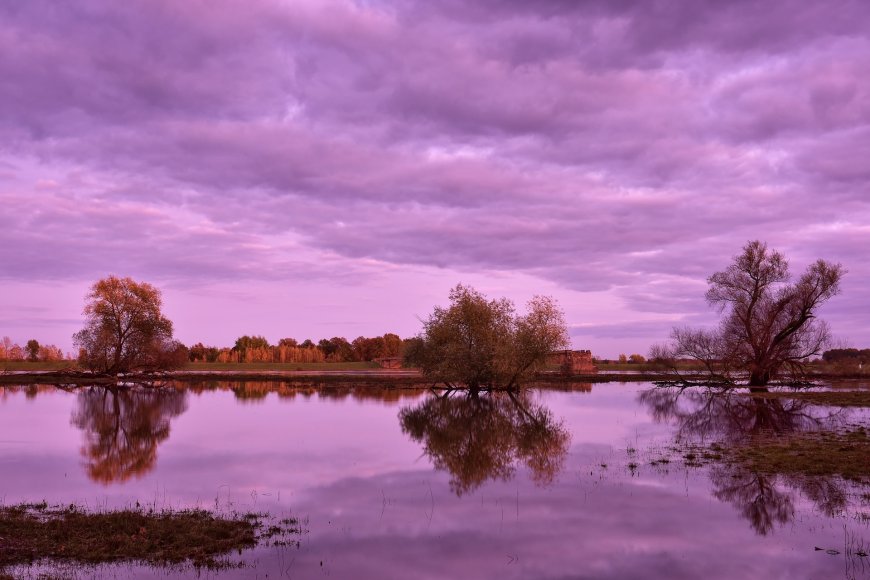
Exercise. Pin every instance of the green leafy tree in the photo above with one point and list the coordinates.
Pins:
(479, 343)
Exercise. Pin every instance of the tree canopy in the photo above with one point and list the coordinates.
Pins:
(480, 343)
(769, 324)
(125, 329)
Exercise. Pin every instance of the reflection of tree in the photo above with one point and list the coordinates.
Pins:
(123, 427)
(477, 438)
(755, 496)
(766, 499)
(729, 417)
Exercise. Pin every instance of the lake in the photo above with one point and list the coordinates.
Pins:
(589, 481)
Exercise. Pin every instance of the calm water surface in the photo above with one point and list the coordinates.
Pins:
(402, 484)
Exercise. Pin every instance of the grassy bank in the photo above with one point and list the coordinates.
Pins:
(243, 367)
(36, 532)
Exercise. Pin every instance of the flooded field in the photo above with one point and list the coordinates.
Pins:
(606, 481)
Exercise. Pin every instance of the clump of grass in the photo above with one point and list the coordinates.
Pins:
(34, 532)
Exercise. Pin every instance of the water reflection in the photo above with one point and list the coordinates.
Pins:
(765, 500)
(258, 391)
(731, 416)
(755, 496)
(123, 427)
(480, 438)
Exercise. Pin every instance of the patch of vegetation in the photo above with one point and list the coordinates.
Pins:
(827, 398)
(843, 454)
(825, 453)
(33, 532)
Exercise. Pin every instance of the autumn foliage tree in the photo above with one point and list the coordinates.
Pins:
(125, 329)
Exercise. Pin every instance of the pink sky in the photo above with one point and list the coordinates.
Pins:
(329, 167)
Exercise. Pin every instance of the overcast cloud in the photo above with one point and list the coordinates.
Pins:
(250, 158)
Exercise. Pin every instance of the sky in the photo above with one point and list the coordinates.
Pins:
(318, 168)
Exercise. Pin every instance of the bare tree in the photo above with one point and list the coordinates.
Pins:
(769, 325)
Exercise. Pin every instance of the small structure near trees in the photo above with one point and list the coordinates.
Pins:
(573, 362)
(125, 329)
(769, 327)
(477, 343)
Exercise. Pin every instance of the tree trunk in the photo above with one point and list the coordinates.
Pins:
(759, 377)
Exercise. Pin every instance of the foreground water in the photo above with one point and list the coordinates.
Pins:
(580, 483)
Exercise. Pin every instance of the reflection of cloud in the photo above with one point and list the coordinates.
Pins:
(640, 531)
(598, 145)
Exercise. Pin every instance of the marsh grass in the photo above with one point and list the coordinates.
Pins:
(31, 533)
(844, 454)
(824, 398)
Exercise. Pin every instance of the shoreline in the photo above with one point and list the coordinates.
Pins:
(358, 377)
(380, 377)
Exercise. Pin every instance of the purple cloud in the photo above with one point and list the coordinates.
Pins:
(618, 149)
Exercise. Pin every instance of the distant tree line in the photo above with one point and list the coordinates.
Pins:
(32, 351)
(847, 354)
(249, 349)
(623, 359)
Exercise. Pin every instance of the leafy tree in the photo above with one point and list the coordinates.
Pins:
(327, 347)
(201, 353)
(32, 350)
(288, 342)
(367, 349)
(245, 342)
(479, 343)
(307, 343)
(342, 350)
(769, 325)
(124, 328)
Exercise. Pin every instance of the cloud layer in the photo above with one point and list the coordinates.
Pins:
(626, 149)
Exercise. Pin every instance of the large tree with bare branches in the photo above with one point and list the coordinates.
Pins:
(769, 323)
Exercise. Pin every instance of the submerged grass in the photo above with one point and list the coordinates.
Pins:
(32, 533)
(844, 454)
